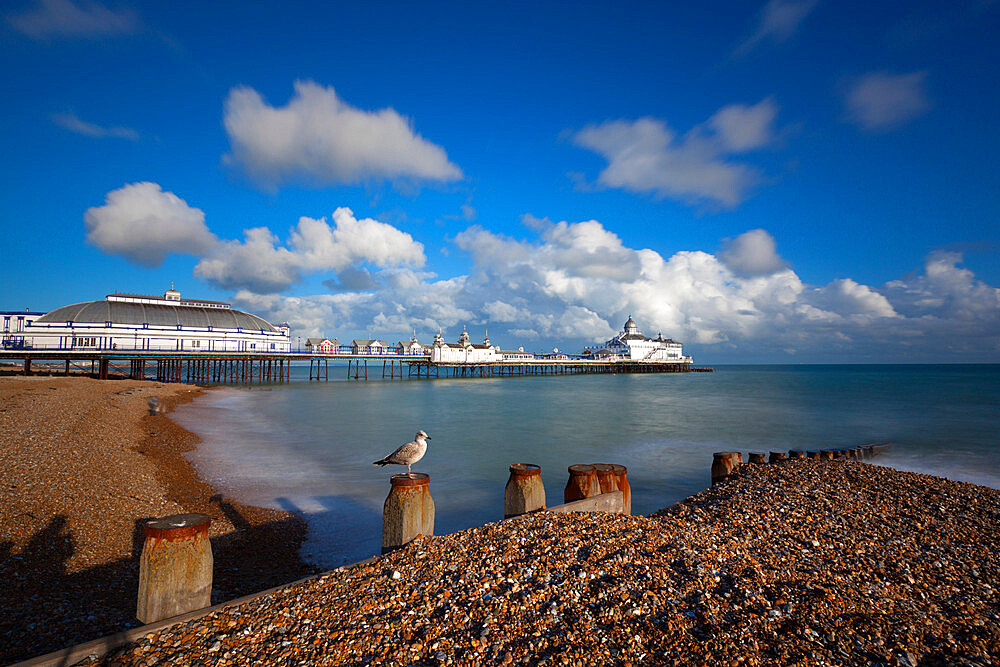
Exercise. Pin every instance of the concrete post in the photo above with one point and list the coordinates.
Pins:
(776, 457)
(582, 483)
(175, 569)
(408, 510)
(723, 465)
(757, 457)
(524, 491)
(796, 454)
(621, 474)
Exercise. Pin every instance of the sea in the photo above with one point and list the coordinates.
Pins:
(307, 447)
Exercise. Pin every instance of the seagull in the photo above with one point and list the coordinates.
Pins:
(409, 453)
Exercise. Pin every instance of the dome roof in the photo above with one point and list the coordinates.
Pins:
(120, 312)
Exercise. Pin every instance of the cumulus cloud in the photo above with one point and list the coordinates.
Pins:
(65, 18)
(143, 223)
(259, 264)
(70, 121)
(319, 139)
(779, 20)
(752, 253)
(880, 101)
(536, 292)
(646, 155)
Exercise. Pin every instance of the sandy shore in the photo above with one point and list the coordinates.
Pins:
(801, 563)
(83, 466)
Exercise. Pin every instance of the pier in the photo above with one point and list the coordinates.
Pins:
(262, 367)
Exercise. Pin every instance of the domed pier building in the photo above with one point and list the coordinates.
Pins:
(631, 345)
(140, 322)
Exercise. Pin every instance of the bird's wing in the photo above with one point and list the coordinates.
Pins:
(407, 453)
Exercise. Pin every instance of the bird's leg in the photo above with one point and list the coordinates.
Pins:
(408, 472)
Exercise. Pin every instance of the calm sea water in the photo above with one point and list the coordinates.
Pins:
(308, 447)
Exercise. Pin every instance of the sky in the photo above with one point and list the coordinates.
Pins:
(793, 181)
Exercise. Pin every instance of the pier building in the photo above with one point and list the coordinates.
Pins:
(144, 322)
(322, 346)
(631, 345)
(464, 351)
(412, 347)
(14, 323)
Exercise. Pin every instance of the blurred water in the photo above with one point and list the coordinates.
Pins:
(308, 447)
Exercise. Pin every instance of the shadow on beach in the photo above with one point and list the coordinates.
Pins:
(47, 607)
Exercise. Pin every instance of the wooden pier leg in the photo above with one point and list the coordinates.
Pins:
(66, 372)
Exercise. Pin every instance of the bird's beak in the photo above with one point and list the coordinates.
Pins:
(427, 437)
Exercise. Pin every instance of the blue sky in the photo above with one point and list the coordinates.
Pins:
(778, 182)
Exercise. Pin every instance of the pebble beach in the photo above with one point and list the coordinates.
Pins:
(802, 562)
(84, 464)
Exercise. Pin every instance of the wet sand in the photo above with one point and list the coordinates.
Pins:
(83, 465)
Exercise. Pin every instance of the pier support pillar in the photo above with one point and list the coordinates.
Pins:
(582, 483)
(723, 465)
(775, 457)
(524, 492)
(408, 510)
(175, 569)
(27, 366)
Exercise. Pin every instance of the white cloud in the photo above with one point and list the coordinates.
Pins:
(70, 121)
(880, 101)
(752, 253)
(535, 292)
(143, 223)
(320, 139)
(64, 18)
(258, 264)
(646, 155)
(779, 20)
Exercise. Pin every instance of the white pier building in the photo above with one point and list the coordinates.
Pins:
(631, 345)
(141, 322)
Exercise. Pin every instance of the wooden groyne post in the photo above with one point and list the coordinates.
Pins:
(524, 492)
(582, 483)
(723, 465)
(408, 510)
(175, 569)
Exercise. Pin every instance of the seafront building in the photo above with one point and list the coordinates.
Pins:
(631, 345)
(322, 346)
(143, 322)
(464, 351)
(14, 322)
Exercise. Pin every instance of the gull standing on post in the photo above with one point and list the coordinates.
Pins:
(409, 453)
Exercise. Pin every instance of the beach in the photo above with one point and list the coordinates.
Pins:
(83, 465)
(803, 562)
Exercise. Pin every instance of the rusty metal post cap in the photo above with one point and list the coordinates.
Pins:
(410, 479)
(177, 526)
(525, 469)
(581, 469)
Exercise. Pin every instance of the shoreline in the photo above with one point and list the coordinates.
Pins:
(85, 465)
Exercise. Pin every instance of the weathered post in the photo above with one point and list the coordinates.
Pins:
(408, 510)
(175, 569)
(813, 454)
(723, 465)
(776, 457)
(796, 454)
(826, 454)
(621, 474)
(757, 457)
(524, 491)
(606, 477)
(582, 483)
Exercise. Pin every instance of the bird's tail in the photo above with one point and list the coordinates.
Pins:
(383, 462)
